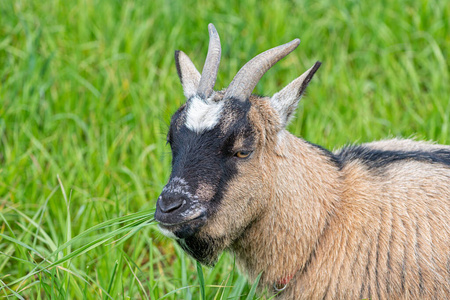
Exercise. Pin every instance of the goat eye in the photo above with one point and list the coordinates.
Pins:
(243, 154)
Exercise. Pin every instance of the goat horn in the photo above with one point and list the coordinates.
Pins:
(209, 73)
(242, 85)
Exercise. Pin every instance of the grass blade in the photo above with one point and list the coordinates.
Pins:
(201, 280)
(252, 292)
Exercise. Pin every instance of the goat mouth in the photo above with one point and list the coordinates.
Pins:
(185, 218)
(184, 228)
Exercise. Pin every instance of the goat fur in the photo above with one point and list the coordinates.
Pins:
(347, 231)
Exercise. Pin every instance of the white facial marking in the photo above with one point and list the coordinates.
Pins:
(167, 233)
(203, 115)
(193, 212)
(178, 185)
(179, 180)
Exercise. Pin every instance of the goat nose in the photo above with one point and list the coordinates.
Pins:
(170, 202)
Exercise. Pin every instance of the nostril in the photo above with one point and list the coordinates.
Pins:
(170, 203)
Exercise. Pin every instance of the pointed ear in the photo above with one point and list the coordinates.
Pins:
(285, 102)
(189, 76)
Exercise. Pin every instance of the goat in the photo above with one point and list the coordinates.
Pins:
(366, 221)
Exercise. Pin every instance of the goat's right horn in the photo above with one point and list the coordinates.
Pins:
(242, 85)
(209, 73)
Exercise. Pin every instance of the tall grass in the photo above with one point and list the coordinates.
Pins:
(87, 88)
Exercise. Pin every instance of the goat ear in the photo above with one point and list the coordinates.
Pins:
(189, 75)
(285, 101)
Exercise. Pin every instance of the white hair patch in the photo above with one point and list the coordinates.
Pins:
(203, 115)
(167, 233)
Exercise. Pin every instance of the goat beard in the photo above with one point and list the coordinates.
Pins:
(204, 249)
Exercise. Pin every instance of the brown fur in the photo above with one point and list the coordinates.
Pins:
(344, 233)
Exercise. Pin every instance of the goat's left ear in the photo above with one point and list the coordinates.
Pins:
(189, 76)
(285, 101)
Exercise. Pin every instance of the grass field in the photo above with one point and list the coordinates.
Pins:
(86, 92)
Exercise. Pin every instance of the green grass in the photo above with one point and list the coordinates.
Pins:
(86, 93)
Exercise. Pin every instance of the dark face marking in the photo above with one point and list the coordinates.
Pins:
(201, 159)
(376, 159)
(204, 250)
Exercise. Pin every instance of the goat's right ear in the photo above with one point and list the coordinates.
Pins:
(285, 101)
(189, 75)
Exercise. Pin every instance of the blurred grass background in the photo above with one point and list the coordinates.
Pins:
(87, 88)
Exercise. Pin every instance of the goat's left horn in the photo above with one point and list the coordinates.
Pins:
(209, 73)
(242, 85)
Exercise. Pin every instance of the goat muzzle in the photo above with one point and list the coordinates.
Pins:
(178, 214)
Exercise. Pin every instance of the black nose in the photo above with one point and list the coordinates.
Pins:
(170, 202)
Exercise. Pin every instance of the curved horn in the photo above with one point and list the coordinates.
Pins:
(209, 73)
(249, 75)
